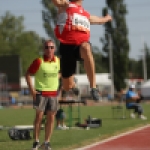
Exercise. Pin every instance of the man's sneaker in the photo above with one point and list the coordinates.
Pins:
(35, 146)
(132, 115)
(45, 146)
(143, 117)
(95, 94)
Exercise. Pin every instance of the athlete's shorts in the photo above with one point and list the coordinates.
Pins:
(45, 103)
(69, 54)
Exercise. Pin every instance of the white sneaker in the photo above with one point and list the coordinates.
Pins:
(64, 127)
(132, 115)
(59, 127)
(143, 117)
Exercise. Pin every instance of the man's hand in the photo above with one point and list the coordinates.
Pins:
(34, 92)
(135, 98)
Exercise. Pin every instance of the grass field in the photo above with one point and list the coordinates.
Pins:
(72, 138)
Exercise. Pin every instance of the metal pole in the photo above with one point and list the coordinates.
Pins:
(144, 63)
(78, 67)
(144, 66)
(111, 66)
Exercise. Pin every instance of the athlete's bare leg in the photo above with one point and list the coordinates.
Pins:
(89, 65)
(68, 83)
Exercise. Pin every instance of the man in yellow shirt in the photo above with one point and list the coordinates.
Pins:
(46, 72)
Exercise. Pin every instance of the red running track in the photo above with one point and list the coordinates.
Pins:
(138, 139)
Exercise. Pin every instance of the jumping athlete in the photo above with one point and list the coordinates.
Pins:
(73, 32)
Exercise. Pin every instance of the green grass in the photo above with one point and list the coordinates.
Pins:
(72, 138)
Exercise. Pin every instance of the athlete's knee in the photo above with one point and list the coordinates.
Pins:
(86, 46)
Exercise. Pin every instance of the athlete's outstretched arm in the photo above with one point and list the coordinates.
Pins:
(61, 3)
(100, 20)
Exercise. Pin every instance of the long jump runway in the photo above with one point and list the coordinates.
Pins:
(138, 139)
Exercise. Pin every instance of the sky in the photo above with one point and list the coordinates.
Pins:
(138, 20)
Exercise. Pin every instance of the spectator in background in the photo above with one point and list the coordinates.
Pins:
(26, 91)
(109, 97)
(131, 103)
(12, 100)
(60, 120)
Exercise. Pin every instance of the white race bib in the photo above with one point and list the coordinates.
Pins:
(80, 23)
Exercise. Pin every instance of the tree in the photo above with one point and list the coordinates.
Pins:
(117, 31)
(98, 58)
(10, 28)
(136, 67)
(145, 57)
(15, 40)
(133, 69)
(49, 15)
(28, 47)
(99, 65)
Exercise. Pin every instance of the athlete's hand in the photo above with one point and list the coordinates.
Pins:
(108, 18)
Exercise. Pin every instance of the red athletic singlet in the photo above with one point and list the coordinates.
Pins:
(73, 26)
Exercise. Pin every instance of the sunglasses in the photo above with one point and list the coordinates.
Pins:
(49, 47)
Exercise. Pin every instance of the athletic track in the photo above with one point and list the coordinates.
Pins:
(138, 139)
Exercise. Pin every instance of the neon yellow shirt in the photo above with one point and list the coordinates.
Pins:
(46, 78)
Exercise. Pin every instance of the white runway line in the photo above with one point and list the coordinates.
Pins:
(113, 137)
